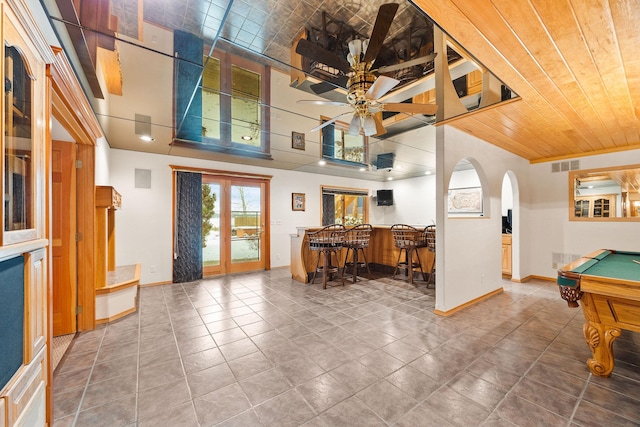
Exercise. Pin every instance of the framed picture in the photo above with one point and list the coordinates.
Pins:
(465, 200)
(297, 201)
(297, 140)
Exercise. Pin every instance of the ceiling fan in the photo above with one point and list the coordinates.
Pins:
(365, 85)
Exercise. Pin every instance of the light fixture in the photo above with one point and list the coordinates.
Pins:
(246, 137)
(369, 125)
(390, 178)
(363, 169)
(147, 138)
(322, 162)
(427, 173)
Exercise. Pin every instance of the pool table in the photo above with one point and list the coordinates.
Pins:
(607, 282)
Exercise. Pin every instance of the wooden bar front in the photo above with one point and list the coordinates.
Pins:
(382, 254)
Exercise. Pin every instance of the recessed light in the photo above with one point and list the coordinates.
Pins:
(147, 138)
(322, 163)
(427, 173)
(247, 137)
(363, 169)
(390, 178)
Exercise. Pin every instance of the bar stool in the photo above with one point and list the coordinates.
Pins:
(356, 239)
(408, 239)
(327, 242)
(430, 234)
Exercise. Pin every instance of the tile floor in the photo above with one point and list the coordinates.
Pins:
(262, 350)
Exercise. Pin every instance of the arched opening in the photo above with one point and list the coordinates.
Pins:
(510, 226)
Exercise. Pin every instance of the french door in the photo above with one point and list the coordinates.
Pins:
(235, 227)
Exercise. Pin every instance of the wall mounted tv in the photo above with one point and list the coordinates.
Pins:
(384, 197)
(385, 161)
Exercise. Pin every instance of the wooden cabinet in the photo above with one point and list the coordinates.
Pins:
(35, 275)
(107, 201)
(506, 254)
(595, 206)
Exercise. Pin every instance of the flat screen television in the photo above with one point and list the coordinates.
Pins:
(384, 197)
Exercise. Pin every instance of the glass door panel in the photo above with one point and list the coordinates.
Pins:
(211, 239)
(246, 225)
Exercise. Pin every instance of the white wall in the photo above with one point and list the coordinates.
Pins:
(469, 249)
(554, 239)
(414, 202)
(144, 223)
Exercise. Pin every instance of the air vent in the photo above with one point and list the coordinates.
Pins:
(143, 125)
(575, 165)
(555, 167)
(564, 166)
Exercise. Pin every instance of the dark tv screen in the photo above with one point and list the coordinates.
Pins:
(385, 197)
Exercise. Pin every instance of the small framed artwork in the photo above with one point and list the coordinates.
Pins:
(297, 140)
(297, 201)
(465, 200)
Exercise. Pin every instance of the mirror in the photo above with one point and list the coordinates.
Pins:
(609, 194)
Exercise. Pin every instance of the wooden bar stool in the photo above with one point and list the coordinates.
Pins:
(356, 239)
(408, 239)
(430, 234)
(327, 242)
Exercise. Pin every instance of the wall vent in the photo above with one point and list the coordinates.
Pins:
(143, 178)
(555, 167)
(143, 125)
(575, 165)
(564, 166)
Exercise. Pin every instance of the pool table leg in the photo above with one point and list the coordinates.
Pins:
(600, 338)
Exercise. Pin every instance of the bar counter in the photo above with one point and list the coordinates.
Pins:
(382, 254)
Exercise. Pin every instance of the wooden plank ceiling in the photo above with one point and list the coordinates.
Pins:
(574, 63)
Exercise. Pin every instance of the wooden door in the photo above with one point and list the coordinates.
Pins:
(63, 237)
(239, 233)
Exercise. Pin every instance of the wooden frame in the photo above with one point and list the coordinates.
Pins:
(465, 200)
(297, 140)
(623, 201)
(297, 202)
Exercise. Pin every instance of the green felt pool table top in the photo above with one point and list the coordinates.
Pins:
(606, 263)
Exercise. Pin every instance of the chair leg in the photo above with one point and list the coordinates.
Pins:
(366, 263)
(424, 276)
(316, 270)
(397, 264)
(325, 268)
(410, 265)
(355, 264)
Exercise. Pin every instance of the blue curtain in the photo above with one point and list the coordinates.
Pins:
(187, 265)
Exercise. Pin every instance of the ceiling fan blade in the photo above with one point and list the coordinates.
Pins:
(354, 126)
(380, 129)
(407, 64)
(401, 107)
(386, 13)
(326, 86)
(382, 85)
(328, 122)
(317, 53)
(323, 102)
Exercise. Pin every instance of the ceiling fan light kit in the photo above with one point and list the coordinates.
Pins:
(365, 86)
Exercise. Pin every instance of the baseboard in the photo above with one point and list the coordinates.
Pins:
(468, 303)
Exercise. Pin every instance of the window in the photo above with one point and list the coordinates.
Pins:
(233, 92)
(219, 100)
(344, 206)
(339, 146)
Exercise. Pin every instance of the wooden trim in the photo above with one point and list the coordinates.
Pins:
(587, 153)
(468, 303)
(86, 212)
(117, 316)
(122, 285)
(149, 285)
(544, 278)
(70, 105)
(218, 172)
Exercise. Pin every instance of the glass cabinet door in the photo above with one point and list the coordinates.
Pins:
(18, 145)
